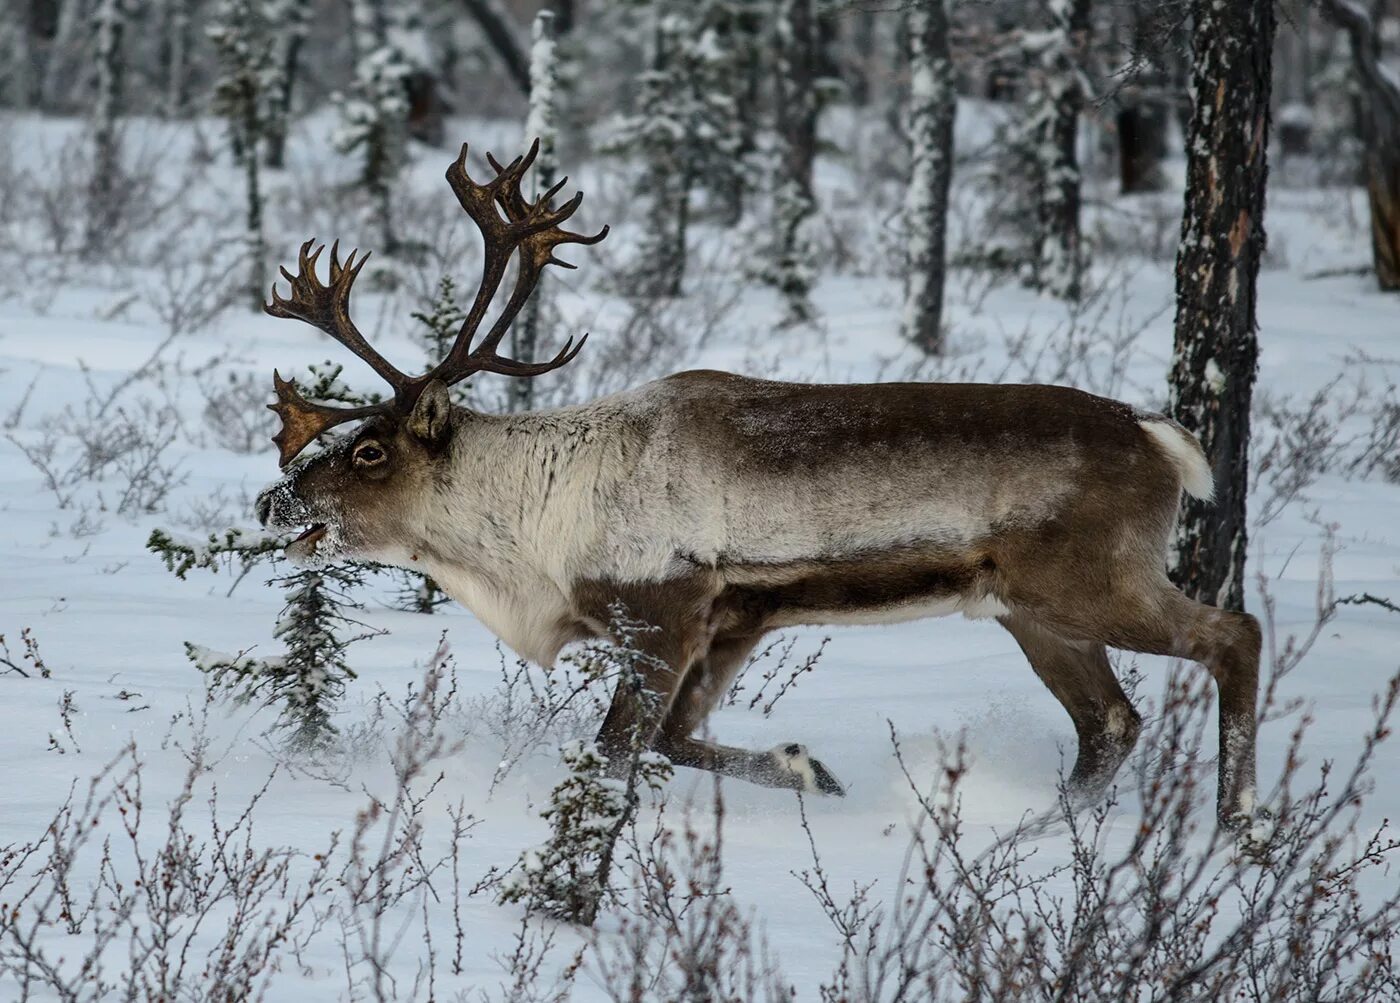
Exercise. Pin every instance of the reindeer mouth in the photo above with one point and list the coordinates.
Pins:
(312, 536)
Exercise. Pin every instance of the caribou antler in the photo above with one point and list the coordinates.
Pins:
(530, 227)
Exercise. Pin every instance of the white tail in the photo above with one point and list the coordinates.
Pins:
(1186, 454)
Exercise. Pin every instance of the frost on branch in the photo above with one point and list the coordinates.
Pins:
(306, 682)
(567, 877)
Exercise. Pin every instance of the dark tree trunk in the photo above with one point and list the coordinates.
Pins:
(1222, 240)
(1144, 113)
(932, 109)
(279, 119)
(501, 35)
(797, 104)
(563, 17)
(1380, 128)
(1142, 143)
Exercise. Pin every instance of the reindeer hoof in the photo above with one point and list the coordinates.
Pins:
(809, 774)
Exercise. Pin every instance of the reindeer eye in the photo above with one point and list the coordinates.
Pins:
(369, 453)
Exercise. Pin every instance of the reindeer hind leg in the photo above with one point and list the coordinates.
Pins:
(1078, 674)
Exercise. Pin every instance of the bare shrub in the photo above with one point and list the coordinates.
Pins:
(31, 656)
(111, 901)
(1089, 349)
(681, 935)
(390, 871)
(784, 665)
(75, 451)
(1347, 427)
(1173, 909)
(535, 706)
(235, 410)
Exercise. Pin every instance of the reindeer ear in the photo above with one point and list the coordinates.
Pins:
(431, 419)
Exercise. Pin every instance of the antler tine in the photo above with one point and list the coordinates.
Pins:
(303, 420)
(535, 229)
(327, 307)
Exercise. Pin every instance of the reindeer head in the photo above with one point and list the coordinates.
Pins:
(357, 497)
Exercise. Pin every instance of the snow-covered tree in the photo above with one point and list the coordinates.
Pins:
(288, 21)
(1222, 240)
(792, 264)
(174, 56)
(246, 66)
(110, 27)
(1053, 105)
(374, 111)
(542, 124)
(932, 107)
(567, 877)
(307, 681)
(17, 63)
(687, 131)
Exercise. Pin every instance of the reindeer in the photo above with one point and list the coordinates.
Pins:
(717, 508)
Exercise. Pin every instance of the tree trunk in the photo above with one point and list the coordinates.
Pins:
(796, 105)
(1383, 192)
(1142, 143)
(1222, 240)
(103, 207)
(1380, 128)
(932, 108)
(540, 124)
(290, 36)
(495, 24)
(1144, 113)
(1059, 265)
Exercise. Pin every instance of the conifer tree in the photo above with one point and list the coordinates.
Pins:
(792, 268)
(244, 49)
(289, 20)
(307, 681)
(374, 111)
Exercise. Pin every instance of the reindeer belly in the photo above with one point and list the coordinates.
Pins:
(886, 586)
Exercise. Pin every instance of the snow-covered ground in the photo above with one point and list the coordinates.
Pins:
(110, 621)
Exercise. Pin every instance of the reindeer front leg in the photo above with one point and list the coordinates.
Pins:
(664, 629)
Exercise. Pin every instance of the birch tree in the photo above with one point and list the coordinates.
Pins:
(110, 24)
(793, 269)
(542, 125)
(932, 108)
(1054, 104)
(1222, 240)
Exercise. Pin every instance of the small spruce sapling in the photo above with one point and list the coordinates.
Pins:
(310, 677)
(308, 680)
(567, 876)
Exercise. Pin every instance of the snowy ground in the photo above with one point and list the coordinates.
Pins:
(110, 621)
